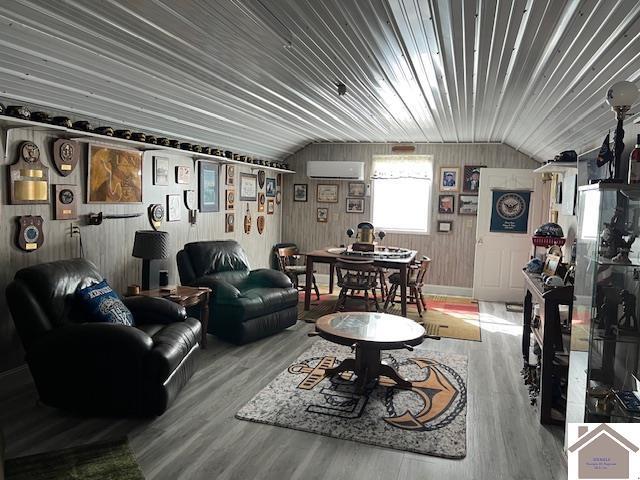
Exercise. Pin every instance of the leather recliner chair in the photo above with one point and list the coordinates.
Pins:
(100, 368)
(245, 304)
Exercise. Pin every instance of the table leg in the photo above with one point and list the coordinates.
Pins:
(331, 273)
(403, 289)
(308, 283)
(204, 321)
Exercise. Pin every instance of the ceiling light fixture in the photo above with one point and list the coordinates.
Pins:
(620, 97)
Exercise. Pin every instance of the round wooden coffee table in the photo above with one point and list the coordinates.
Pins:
(370, 333)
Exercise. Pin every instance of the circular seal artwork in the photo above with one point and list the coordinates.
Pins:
(31, 234)
(30, 152)
(511, 206)
(66, 196)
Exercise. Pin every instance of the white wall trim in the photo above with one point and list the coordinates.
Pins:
(323, 279)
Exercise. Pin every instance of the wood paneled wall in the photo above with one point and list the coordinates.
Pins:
(452, 253)
(110, 244)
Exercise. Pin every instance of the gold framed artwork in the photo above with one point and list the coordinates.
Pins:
(261, 201)
(327, 193)
(271, 206)
(114, 175)
(229, 222)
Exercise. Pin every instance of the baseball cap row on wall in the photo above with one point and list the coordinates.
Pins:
(24, 113)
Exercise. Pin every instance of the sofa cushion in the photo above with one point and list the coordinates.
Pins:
(104, 305)
(256, 302)
(171, 343)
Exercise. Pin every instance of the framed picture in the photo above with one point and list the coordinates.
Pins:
(271, 206)
(114, 175)
(468, 205)
(449, 179)
(183, 175)
(446, 203)
(248, 187)
(300, 192)
(551, 264)
(327, 193)
(445, 226)
(261, 201)
(230, 173)
(229, 222)
(160, 171)
(355, 205)
(230, 198)
(356, 189)
(174, 202)
(209, 190)
(271, 187)
(471, 178)
(322, 215)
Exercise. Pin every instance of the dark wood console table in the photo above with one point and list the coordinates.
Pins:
(547, 332)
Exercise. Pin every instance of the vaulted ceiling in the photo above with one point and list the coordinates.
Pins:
(259, 76)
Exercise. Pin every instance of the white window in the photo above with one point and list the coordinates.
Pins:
(401, 192)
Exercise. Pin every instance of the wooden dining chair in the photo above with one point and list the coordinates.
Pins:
(357, 276)
(415, 283)
(288, 261)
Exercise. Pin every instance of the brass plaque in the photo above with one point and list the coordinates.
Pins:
(24, 172)
(66, 167)
(66, 212)
(30, 190)
(30, 246)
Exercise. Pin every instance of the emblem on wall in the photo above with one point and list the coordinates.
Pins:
(261, 223)
(261, 178)
(230, 199)
(65, 155)
(29, 178)
(183, 174)
(30, 235)
(156, 215)
(65, 198)
(229, 222)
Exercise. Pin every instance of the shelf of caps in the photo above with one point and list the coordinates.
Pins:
(92, 137)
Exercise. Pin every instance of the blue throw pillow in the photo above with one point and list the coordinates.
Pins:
(104, 305)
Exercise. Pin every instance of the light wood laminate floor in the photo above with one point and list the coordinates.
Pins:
(199, 438)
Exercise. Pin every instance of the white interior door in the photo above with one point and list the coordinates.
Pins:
(499, 257)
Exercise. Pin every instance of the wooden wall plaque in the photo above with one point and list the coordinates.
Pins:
(28, 177)
(30, 234)
(66, 202)
(65, 155)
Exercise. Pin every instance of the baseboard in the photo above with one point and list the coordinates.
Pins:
(13, 371)
(323, 279)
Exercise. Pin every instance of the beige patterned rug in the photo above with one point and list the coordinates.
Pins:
(446, 316)
(430, 418)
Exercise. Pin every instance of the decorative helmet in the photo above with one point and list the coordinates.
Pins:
(554, 281)
(549, 230)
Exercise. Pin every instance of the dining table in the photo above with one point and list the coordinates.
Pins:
(324, 255)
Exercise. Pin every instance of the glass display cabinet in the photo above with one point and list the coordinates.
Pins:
(605, 339)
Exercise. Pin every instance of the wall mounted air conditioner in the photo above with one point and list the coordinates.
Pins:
(336, 170)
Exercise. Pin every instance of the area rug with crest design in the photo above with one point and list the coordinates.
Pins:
(430, 418)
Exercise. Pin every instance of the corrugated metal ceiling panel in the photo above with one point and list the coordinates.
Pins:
(529, 73)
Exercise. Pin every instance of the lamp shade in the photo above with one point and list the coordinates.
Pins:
(622, 94)
(151, 245)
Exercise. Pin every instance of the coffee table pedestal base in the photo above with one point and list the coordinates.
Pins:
(368, 366)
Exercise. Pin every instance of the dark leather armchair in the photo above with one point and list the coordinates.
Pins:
(99, 368)
(245, 304)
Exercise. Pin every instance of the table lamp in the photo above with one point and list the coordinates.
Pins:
(151, 247)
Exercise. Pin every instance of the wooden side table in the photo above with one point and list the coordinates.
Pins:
(187, 297)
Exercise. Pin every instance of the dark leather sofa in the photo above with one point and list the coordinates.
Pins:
(99, 368)
(245, 304)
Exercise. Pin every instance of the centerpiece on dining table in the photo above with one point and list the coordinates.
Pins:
(365, 244)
